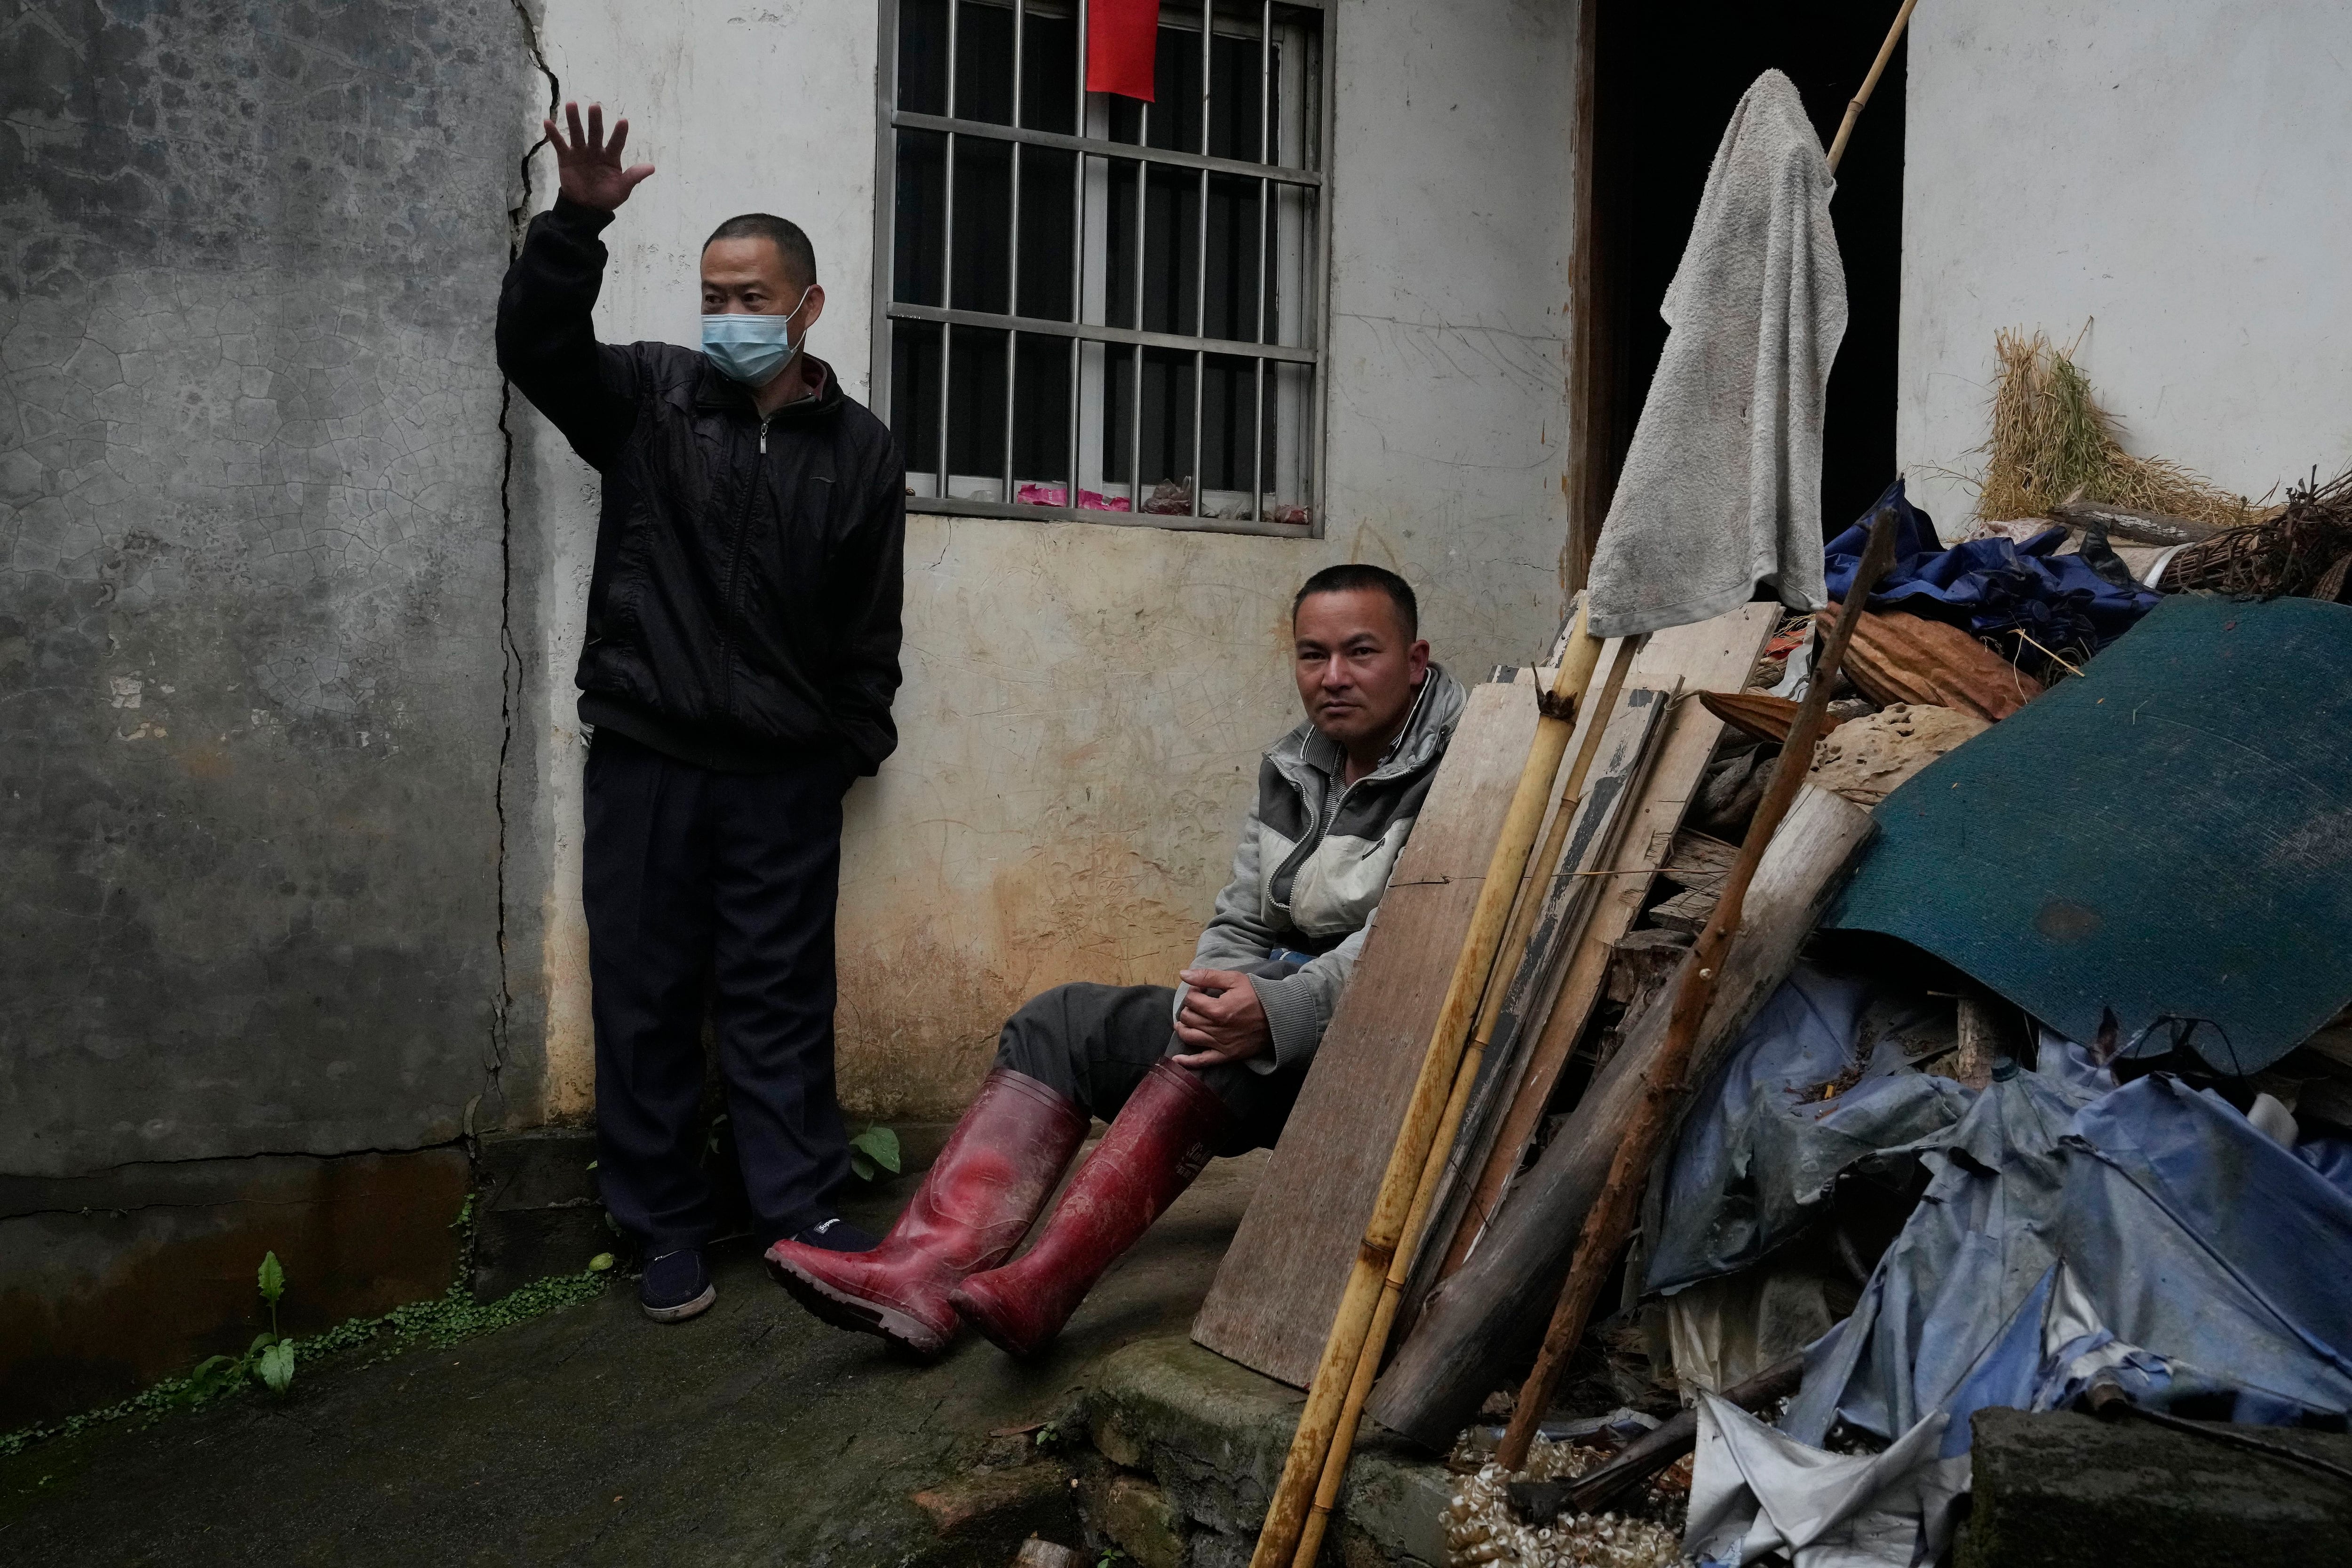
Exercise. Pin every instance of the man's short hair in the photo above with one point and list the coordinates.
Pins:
(791, 243)
(1344, 579)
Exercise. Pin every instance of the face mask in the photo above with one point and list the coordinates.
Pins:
(751, 349)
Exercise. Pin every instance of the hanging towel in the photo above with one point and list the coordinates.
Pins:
(1722, 489)
(1122, 46)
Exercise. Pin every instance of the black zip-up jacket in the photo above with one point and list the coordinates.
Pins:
(743, 609)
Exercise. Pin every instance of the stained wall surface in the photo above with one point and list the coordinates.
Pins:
(2163, 183)
(1085, 703)
(250, 665)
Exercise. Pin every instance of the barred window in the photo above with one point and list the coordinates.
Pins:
(1091, 308)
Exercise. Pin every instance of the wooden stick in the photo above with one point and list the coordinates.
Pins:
(1532, 898)
(1869, 83)
(1611, 1216)
(1302, 1469)
(1646, 1456)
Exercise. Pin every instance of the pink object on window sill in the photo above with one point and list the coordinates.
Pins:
(1059, 495)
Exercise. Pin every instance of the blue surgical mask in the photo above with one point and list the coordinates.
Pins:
(749, 348)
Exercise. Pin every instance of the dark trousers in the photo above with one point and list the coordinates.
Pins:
(1095, 1043)
(693, 879)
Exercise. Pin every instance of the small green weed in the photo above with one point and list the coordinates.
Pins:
(270, 1357)
(876, 1148)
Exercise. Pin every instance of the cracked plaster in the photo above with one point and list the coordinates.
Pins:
(249, 470)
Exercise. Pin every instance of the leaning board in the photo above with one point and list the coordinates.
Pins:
(1278, 1287)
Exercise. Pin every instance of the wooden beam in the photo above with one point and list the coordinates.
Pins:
(1587, 480)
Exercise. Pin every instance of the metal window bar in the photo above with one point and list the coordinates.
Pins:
(1135, 370)
(947, 260)
(1257, 261)
(1013, 259)
(1077, 263)
(1264, 173)
(1200, 252)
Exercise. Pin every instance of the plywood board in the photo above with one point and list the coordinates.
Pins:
(1271, 1304)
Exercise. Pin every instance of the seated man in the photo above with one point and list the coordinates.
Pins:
(1336, 797)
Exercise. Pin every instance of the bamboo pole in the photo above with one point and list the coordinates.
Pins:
(1524, 915)
(1869, 83)
(1611, 1218)
(1285, 1517)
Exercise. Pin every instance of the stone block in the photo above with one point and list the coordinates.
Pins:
(536, 1211)
(1213, 1436)
(988, 1508)
(2067, 1490)
(1139, 1519)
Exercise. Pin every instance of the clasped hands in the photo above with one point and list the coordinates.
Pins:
(1221, 1019)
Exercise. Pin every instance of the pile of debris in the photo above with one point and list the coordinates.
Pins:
(2026, 1080)
(2053, 1104)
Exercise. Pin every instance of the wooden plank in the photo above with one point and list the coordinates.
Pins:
(1275, 1292)
(1712, 655)
(1489, 1315)
(1592, 835)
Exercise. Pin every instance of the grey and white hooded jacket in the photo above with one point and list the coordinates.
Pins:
(1313, 862)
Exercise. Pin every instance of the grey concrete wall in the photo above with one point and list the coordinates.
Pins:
(2162, 182)
(250, 573)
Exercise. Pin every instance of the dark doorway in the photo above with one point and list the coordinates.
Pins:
(1665, 80)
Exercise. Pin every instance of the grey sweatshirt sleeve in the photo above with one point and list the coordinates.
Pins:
(1298, 1006)
(1238, 933)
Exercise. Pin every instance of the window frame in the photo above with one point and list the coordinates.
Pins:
(1315, 330)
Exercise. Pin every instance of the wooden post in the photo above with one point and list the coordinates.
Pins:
(1286, 1518)
(1665, 1083)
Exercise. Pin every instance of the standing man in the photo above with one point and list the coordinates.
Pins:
(743, 652)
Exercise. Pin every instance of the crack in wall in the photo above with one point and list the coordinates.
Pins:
(512, 682)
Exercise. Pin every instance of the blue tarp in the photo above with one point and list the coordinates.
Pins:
(1992, 587)
(1756, 1161)
(2150, 1232)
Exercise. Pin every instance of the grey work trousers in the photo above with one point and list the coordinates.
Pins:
(1093, 1044)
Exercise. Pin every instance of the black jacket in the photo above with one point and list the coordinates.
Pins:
(743, 609)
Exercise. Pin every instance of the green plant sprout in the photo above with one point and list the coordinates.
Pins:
(876, 1148)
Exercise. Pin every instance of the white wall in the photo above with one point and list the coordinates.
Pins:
(2172, 174)
(745, 107)
(1085, 703)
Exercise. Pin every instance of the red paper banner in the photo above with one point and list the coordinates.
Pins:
(1122, 38)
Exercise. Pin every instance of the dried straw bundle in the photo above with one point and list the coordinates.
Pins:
(2306, 549)
(2053, 442)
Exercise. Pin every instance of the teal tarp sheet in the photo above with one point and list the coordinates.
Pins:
(2164, 843)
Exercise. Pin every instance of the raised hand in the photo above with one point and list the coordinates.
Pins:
(588, 167)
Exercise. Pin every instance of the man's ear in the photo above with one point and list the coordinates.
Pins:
(1417, 658)
(813, 307)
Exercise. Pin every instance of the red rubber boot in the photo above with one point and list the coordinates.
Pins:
(1158, 1145)
(975, 1204)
